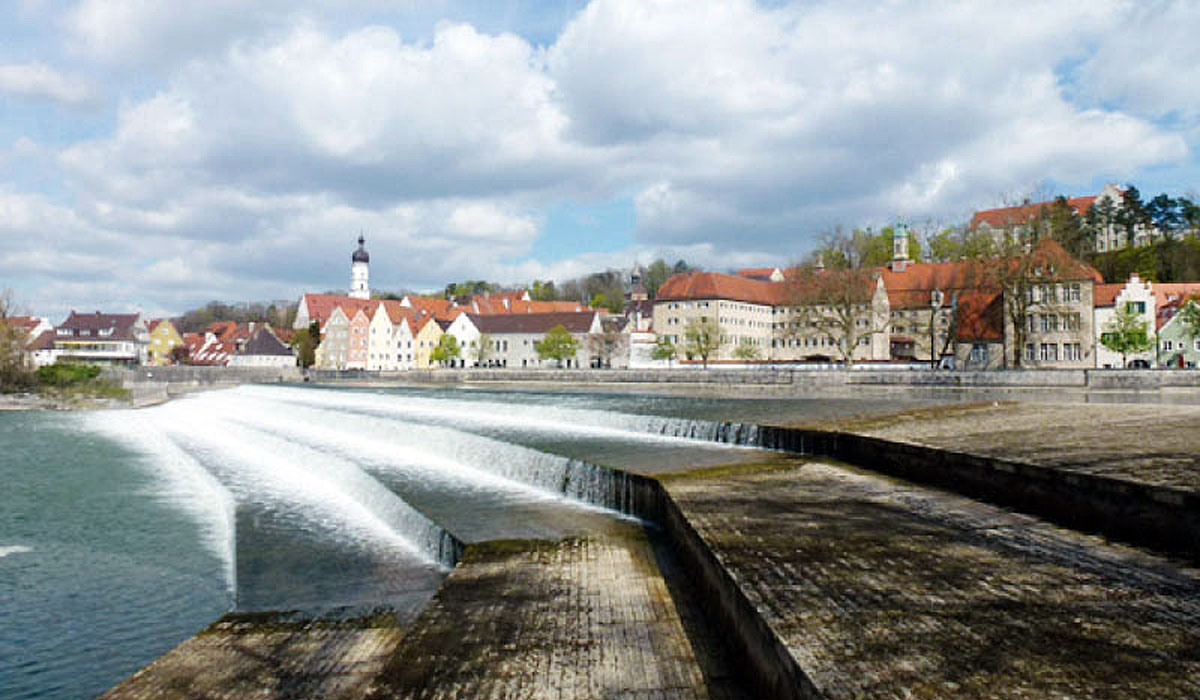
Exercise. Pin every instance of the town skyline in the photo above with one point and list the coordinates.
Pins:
(159, 157)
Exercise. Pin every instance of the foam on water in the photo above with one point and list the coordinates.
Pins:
(329, 492)
(549, 420)
(461, 460)
(184, 482)
(13, 549)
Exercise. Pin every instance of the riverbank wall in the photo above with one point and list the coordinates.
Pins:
(799, 379)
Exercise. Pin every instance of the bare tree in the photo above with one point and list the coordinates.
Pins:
(701, 338)
(14, 364)
(833, 295)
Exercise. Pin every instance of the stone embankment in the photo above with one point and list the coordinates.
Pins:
(787, 377)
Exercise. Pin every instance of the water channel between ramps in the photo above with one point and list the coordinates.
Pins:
(871, 586)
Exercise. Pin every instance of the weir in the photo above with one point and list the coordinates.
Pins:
(426, 467)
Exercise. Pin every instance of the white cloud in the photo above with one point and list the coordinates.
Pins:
(1150, 65)
(739, 131)
(39, 81)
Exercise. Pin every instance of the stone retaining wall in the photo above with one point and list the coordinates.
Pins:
(1098, 379)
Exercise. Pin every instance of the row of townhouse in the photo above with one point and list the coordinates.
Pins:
(129, 340)
(400, 335)
(906, 311)
(497, 330)
(1174, 343)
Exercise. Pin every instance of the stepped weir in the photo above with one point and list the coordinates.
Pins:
(790, 563)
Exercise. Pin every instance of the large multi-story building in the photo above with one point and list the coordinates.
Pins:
(100, 338)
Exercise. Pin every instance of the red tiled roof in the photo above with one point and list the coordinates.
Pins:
(980, 317)
(320, 306)
(714, 285)
(1174, 292)
(1024, 213)
(1106, 294)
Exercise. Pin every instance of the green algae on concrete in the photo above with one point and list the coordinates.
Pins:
(882, 589)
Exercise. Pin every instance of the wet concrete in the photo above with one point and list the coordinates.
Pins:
(882, 589)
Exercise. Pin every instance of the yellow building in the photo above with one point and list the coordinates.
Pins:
(164, 338)
(429, 334)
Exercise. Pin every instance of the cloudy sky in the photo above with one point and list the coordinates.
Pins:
(158, 154)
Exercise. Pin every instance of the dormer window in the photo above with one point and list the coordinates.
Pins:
(105, 332)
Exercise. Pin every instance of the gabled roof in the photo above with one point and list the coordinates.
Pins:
(44, 341)
(264, 342)
(912, 287)
(1106, 294)
(1024, 213)
(980, 317)
(714, 285)
(121, 325)
(573, 321)
(1174, 292)
(320, 306)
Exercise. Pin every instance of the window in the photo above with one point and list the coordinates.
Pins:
(1030, 352)
(1167, 345)
(1071, 292)
(1197, 341)
(1049, 352)
(1136, 307)
(1071, 351)
(979, 353)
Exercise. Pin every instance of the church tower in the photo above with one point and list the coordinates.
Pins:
(359, 288)
(900, 259)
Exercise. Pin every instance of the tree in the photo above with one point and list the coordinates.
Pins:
(305, 342)
(14, 365)
(1131, 217)
(1189, 316)
(747, 352)
(657, 273)
(663, 349)
(484, 350)
(836, 299)
(1165, 214)
(702, 337)
(558, 344)
(543, 290)
(1126, 333)
(446, 351)
(607, 344)
(1060, 222)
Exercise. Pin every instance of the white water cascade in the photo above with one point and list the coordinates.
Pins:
(184, 482)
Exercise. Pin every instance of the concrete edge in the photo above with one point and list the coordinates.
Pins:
(1158, 517)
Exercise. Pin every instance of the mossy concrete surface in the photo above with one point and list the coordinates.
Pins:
(882, 589)
(1156, 444)
(585, 617)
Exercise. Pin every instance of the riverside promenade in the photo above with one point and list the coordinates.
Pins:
(794, 576)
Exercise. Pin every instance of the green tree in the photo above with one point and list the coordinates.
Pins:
(1065, 226)
(663, 349)
(1189, 316)
(484, 350)
(543, 290)
(558, 344)
(305, 343)
(1126, 333)
(657, 273)
(701, 338)
(446, 351)
(747, 352)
